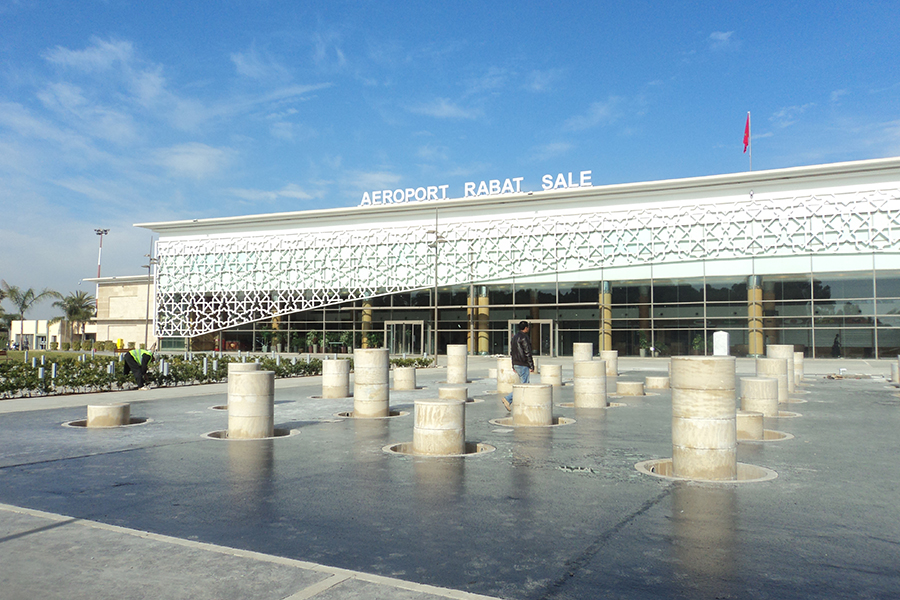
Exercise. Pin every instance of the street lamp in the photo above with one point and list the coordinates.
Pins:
(101, 233)
(149, 267)
(438, 240)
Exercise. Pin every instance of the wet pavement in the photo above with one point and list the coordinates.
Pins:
(558, 512)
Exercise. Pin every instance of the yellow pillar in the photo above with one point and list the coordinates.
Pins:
(754, 315)
(472, 329)
(483, 321)
(605, 316)
(771, 333)
(366, 321)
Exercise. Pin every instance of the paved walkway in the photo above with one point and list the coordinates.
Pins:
(48, 556)
(155, 511)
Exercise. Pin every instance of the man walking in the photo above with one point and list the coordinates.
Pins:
(522, 360)
(137, 361)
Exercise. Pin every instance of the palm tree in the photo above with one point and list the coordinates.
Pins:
(78, 309)
(24, 299)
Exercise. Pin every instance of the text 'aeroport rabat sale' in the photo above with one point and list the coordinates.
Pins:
(488, 187)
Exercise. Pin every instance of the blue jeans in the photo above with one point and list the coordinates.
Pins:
(524, 374)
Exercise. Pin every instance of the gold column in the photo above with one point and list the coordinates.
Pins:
(771, 332)
(366, 321)
(482, 324)
(754, 315)
(605, 316)
(472, 328)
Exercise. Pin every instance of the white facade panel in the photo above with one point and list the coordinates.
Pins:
(220, 273)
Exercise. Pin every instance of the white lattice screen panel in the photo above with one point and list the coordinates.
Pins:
(212, 283)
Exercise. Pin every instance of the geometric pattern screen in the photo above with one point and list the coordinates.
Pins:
(212, 283)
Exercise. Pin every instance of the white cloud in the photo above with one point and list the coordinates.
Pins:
(494, 79)
(836, 95)
(291, 190)
(599, 113)
(100, 56)
(542, 81)
(77, 149)
(327, 52)
(282, 130)
(443, 108)
(373, 180)
(788, 115)
(116, 197)
(69, 102)
(251, 64)
(723, 40)
(432, 152)
(194, 160)
(551, 150)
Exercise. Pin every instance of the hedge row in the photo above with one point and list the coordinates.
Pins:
(85, 374)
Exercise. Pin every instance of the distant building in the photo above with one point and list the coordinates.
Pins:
(808, 256)
(125, 308)
(38, 334)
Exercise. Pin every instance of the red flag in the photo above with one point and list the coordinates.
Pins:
(747, 133)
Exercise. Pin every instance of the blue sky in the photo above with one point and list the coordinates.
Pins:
(120, 112)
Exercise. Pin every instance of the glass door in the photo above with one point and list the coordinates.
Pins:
(404, 337)
(541, 332)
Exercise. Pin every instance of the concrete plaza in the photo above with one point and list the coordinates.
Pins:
(157, 510)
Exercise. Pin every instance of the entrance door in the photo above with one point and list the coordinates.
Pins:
(404, 337)
(541, 332)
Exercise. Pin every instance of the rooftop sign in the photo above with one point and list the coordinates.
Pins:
(472, 189)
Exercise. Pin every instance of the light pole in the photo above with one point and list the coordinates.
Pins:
(149, 267)
(101, 233)
(438, 240)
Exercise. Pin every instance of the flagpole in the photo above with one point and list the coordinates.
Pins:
(747, 141)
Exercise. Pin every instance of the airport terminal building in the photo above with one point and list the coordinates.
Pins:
(808, 256)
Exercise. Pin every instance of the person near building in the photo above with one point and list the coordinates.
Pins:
(522, 359)
(137, 361)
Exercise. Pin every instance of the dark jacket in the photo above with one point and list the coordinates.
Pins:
(520, 351)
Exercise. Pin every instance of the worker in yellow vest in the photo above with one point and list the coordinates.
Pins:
(137, 361)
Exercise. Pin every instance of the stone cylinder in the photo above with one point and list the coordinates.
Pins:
(798, 368)
(506, 375)
(582, 351)
(457, 363)
(777, 369)
(108, 415)
(239, 367)
(552, 374)
(251, 404)
(760, 394)
(532, 405)
(749, 425)
(404, 378)
(704, 431)
(440, 427)
(630, 388)
(371, 382)
(895, 372)
(785, 352)
(590, 384)
(612, 362)
(335, 378)
(656, 383)
(453, 392)
(492, 373)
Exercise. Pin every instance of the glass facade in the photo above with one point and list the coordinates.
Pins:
(854, 315)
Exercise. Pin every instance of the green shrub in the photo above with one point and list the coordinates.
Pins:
(86, 344)
(54, 346)
(131, 345)
(66, 346)
(419, 363)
